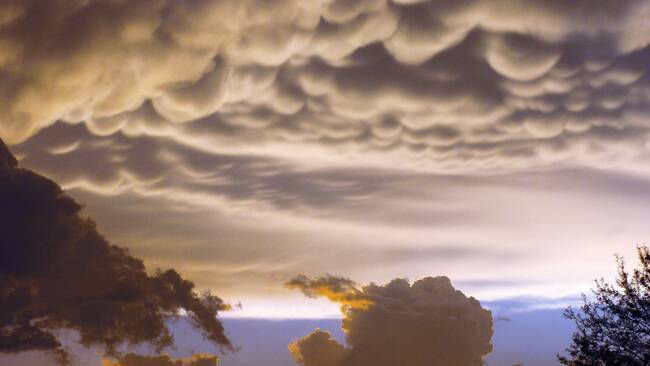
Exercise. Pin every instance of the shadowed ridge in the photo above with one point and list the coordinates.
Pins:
(7, 159)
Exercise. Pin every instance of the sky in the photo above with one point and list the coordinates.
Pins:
(264, 341)
(503, 144)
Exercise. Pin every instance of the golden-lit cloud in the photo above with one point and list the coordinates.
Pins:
(337, 289)
(424, 323)
(164, 360)
(58, 272)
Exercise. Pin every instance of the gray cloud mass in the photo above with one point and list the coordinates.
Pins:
(446, 85)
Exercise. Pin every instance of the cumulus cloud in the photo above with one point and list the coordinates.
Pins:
(318, 349)
(164, 360)
(58, 272)
(445, 84)
(427, 322)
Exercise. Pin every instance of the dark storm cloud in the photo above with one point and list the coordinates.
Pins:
(448, 85)
(57, 271)
(424, 323)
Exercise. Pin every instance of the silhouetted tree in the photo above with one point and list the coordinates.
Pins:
(613, 328)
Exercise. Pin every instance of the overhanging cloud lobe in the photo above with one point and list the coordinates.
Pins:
(447, 84)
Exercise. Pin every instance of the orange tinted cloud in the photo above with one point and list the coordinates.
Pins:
(337, 289)
(424, 323)
(164, 360)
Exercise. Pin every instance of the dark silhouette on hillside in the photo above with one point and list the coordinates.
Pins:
(613, 328)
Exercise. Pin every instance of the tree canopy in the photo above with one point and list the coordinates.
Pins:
(613, 326)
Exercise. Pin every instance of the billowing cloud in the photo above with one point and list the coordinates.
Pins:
(58, 272)
(444, 85)
(424, 323)
(164, 360)
(318, 349)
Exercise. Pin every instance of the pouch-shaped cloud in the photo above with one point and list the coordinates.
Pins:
(520, 58)
(164, 360)
(424, 323)
(499, 78)
(57, 271)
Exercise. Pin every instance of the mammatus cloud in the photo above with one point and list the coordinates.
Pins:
(57, 271)
(448, 85)
(424, 323)
(164, 360)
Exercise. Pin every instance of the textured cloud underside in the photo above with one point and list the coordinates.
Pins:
(444, 85)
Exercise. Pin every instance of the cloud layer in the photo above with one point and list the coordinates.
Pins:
(367, 135)
(448, 85)
(424, 323)
(58, 272)
(368, 138)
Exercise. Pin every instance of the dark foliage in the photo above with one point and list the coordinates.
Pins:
(58, 272)
(613, 328)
